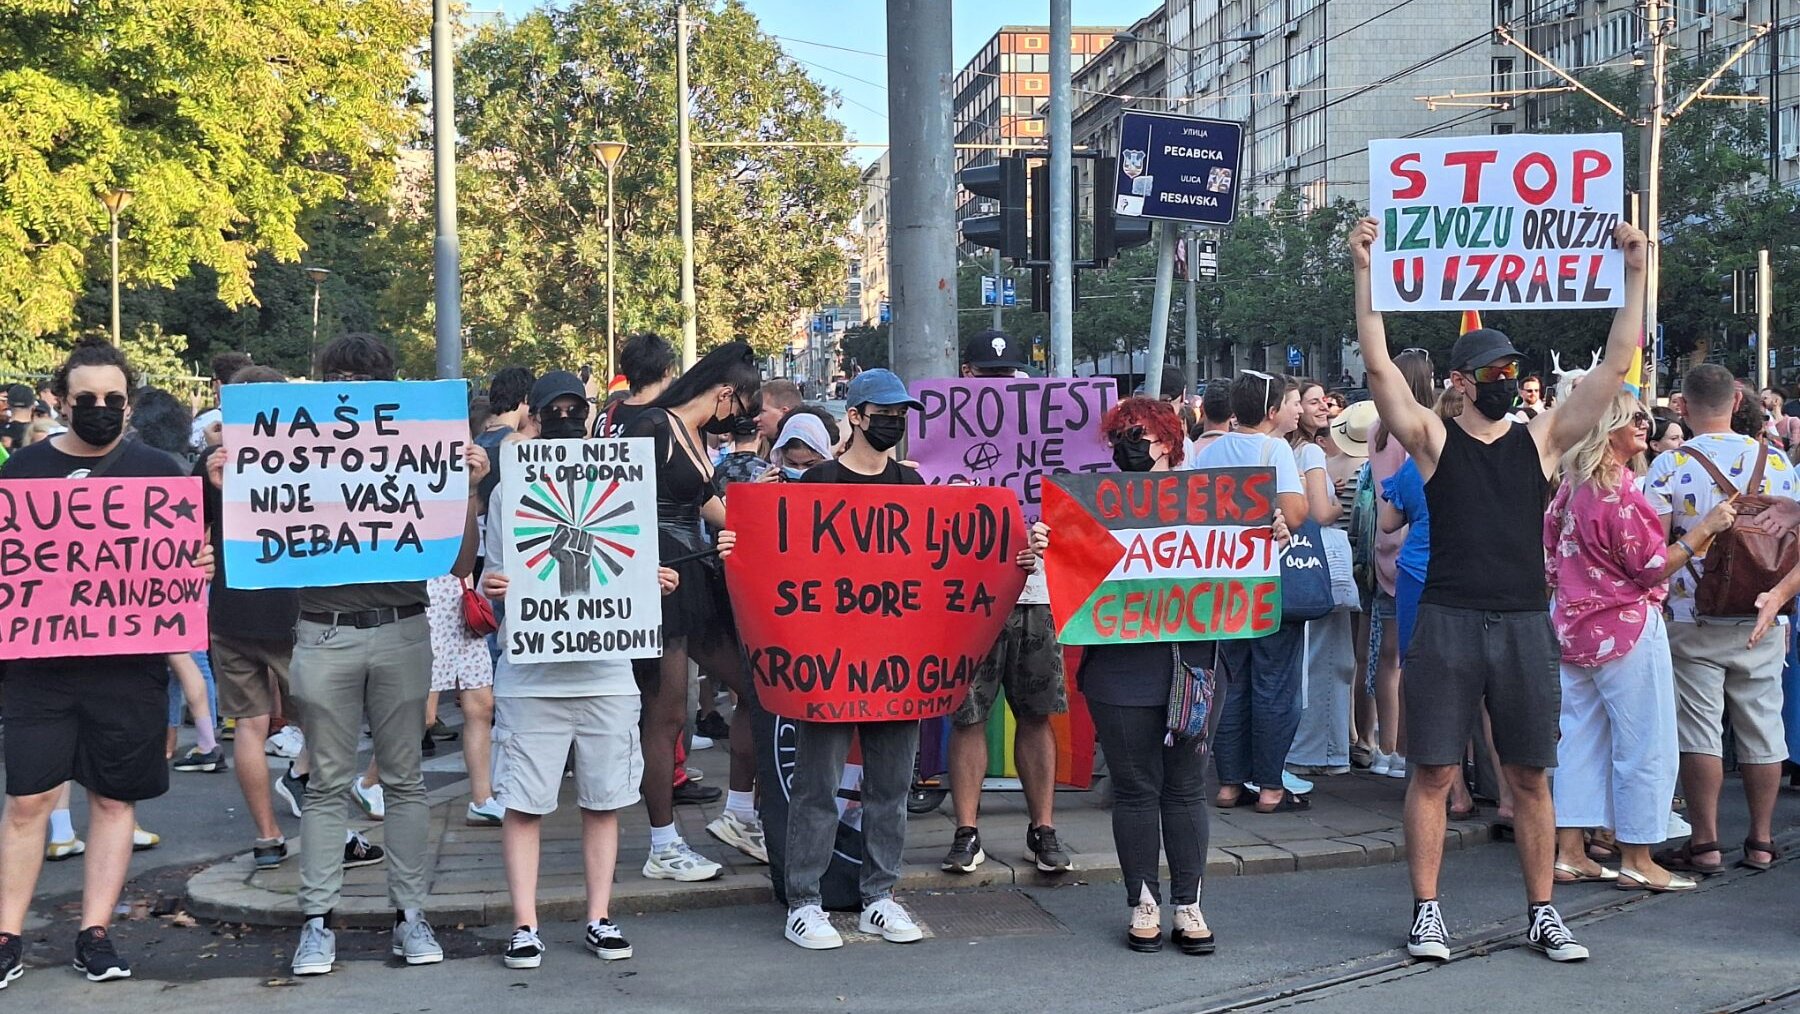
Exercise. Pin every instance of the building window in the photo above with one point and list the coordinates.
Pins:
(1501, 127)
(1034, 42)
(1503, 73)
(1503, 11)
(1032, 85)
(1787, 128)
(1307, 131)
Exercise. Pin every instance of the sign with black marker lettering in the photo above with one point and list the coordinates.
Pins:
(343, 483)
(579, 519)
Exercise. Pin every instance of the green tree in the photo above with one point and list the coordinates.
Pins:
(227, 121)
(1284, 278)
(535, 96)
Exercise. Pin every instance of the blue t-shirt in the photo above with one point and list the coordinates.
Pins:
(1405, 489)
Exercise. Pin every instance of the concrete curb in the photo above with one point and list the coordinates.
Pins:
(227, 890)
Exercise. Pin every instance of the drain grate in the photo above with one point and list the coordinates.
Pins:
(966, 915)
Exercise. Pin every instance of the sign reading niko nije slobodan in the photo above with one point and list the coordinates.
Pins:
(1012, 433)
(1162, 556)
(1515, 220)
(870, 603)
(579, 519)
(345, 483)
(101, 567)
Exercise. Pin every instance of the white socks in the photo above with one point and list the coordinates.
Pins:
(743, 804)
(663, 837)
(61, 827)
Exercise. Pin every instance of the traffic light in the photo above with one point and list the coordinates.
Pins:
(1003, 183)
(1743, 291)
(1113, 233)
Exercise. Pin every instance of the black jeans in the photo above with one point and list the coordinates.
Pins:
(1159, 799)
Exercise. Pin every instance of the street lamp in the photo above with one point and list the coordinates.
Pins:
(318, 276)
(609, 153)
(116, 200)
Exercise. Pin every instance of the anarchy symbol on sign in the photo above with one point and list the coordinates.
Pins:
(981, 457)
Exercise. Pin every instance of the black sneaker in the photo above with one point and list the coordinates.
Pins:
(605, 940)
(359, 852)
(442, 733)
(1428, 939)
(292, 789)
(12, 958)
(209, 761)
(96, 958)
(426, 746)
(1549, 937)
(525, 950)
(1043, 846)
(269, 852)
(965, 852)
(712, 725)
(691, 792)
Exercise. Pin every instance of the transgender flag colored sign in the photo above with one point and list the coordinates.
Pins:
(343, 483)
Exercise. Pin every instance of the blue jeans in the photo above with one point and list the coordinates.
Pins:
(177, 700)
(1262, 706)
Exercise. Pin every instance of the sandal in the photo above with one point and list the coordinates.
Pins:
(1752, 845)
(1632, 880)
(1682, 859)
(1244, 797)
(1470, 814)
(1503, 829)
(1578, 876)
(1602, 847)
(1290, 803)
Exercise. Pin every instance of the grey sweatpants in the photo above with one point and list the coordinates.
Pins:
(337, 674)
(888, 752)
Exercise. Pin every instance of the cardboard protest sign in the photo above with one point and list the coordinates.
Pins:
(1162, 556)
(343, 483)
(1512, 220)
(101, 566)
(1012, 433)
(870, 603)
(579, 519)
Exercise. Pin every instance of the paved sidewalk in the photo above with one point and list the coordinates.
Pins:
(1355, 820)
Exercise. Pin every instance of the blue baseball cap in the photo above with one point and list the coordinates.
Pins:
(879, 387)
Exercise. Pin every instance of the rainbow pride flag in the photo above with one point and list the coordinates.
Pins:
(1074, 738)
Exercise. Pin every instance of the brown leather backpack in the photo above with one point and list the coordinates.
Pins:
(1757, 551)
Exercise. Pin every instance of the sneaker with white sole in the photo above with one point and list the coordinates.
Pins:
(744, 835)
(1549, 937)
(1380, 762)
(1429, 937)
(292, 790)
(57, 851)
(887, 918)
(415, 943)
(808, 927)
(286, 743)
(488, 814)
(525, 950)
(142, 839)
(1679, 827)
(359, 852)
(370, 798)
(96, 958)
(679, 862)
(206, 761)
(1396, 766)
(605, 940)
(12, 958)
(317, 950)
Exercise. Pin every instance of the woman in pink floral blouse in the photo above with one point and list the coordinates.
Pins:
(1607, 568)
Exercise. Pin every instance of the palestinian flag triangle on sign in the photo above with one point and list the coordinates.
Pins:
(1162, 556)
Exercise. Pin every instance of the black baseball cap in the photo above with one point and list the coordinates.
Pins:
(554, 385)
(20, 396)
(992, 349)
(1480, 347)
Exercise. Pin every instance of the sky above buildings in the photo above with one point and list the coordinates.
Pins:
(809, 29)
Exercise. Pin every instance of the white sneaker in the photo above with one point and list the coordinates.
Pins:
(1295, 784)
(887, 918)
(700, 743)
(1396, 766)
(744, 835)
(679, 862)
(488, 814)
(1678, 827)
(808, 927)
(57, 851)
(369, 798)
(286, 743)
(142, 839)
(1381, 763)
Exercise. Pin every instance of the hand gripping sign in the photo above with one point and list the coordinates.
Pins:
(1162, 556)
(870, 603)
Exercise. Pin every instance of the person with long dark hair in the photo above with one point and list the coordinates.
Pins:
(708, 399)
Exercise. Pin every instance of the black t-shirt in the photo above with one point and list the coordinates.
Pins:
(620, 417)
(260, 614)
(1138, 675)
(43, 461)
(490, 441)
(895, 474)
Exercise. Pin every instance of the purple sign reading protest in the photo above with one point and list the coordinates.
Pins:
(1012, 433)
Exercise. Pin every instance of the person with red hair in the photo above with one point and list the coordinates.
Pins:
(1134, 425)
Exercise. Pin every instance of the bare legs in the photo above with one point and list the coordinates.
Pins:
(1034, 753)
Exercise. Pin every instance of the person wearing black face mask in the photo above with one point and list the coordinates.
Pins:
(877, 402)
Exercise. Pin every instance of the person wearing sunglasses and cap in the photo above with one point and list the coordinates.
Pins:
(1483, 629)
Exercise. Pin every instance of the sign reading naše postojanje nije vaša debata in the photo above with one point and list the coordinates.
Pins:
(1162, 556)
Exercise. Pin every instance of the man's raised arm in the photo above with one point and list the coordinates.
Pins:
(1416, 427)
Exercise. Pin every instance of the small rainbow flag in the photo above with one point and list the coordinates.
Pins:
(1074, 737)
(1471, 321)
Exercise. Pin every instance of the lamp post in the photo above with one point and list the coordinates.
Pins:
(318, 276)
(609, 152)
(116, 200)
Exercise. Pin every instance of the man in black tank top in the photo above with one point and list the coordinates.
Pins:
(1483, 630)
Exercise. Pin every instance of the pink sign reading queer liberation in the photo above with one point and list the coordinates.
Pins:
(1012, 433)
(101, 567)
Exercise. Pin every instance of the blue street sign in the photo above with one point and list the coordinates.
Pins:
(987, 290)
(887, 312)
(1658, 356)
(1293, 357)
(1180, 168)
(1009, 295)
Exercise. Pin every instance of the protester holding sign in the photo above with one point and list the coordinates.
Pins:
(92, 708)
(1483, 629)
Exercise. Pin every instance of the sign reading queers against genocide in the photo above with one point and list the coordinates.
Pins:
(1011, 433)
(579, 519)
(868, 603)
(1162, 556)
(344, 483)
(1520, 220)
(101, 567)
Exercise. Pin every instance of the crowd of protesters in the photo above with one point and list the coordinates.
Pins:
(1519, 582)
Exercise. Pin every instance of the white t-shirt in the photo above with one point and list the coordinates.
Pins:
(1679, 485)
(1240, 449)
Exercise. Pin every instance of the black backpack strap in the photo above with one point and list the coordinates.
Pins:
(108, 460)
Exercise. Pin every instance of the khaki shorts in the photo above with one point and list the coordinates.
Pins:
(249, 674)
(1027, 662)
(532, 739)
(1714, 673)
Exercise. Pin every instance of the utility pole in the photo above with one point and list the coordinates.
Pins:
(1765, 297)
(1190, 326)
(1062, 210)
(999, 291)
(1159, 310)
(446, 249)
(684, 176)
(1650, 155)
(922, 239)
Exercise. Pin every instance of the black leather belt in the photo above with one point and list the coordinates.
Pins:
(365, 619)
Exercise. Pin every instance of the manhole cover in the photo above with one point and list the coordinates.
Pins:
(978, 914)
